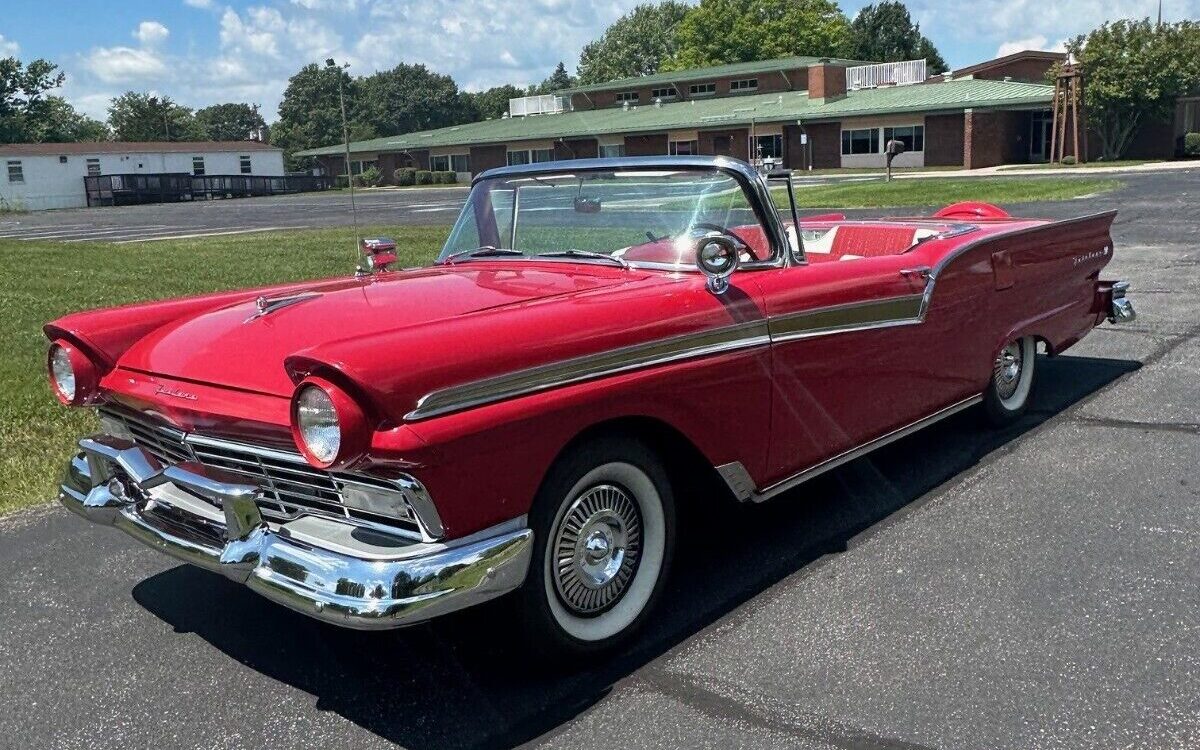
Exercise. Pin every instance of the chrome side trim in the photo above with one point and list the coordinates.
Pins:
(590, 367)
(855, 316)
(735, 474)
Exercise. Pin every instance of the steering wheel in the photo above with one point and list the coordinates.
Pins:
(742, 245)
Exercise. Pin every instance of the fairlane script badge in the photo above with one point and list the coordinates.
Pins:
(174, 392)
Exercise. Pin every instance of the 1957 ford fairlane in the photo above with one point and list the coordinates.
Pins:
(381, 449)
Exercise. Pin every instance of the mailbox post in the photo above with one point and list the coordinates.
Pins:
(894, 149)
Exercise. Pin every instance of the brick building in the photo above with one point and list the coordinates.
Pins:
(802, 112)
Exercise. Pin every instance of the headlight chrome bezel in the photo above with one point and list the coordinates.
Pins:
(319, 404)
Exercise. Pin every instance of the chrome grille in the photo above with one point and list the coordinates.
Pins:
(291, 487)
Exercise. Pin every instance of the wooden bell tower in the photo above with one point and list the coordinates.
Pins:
(1068, 98)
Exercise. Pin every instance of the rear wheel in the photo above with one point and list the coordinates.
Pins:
(604, 526)
(1008, 394)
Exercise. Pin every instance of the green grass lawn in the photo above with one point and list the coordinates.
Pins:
(937, 191)
(40, 281)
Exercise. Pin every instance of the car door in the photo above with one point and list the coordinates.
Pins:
(851, 356)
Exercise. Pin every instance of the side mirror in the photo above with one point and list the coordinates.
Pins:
(717, 259)
(380, 253)
(585, 205)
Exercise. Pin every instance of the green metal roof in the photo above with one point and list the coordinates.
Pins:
(948, 96)
(715, 71)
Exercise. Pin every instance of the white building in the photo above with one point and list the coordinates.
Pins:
(37, 176)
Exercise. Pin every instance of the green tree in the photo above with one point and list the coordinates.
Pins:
(23, 91)
(409, 98)
(492, 103)
(309, 114)
(885, 33)
(729, 31)
(58, 122)
(560, 79)
(234, 121)
(636, 44)
(1134, 71)
(135, 116)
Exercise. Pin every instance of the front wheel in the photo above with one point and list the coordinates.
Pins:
(604, 529)
(1008, 394)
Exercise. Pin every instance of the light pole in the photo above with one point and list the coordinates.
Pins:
(330, 64)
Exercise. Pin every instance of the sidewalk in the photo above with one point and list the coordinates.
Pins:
(1006, 170)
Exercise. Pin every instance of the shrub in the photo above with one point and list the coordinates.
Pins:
(405, 176)
(1191, 144)
(424, 177)
(370, 177)
(339, 182)
(445, 178)
(1068, 160)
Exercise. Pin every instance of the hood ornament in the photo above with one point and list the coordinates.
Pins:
(266, 305)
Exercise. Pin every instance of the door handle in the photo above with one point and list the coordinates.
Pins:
(923, 271)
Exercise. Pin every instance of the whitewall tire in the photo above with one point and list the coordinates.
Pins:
(603, 537)
(1008, 394)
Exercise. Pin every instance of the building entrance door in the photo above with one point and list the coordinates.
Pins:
(1040, 131)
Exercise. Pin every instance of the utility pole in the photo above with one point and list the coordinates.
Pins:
(346, 142)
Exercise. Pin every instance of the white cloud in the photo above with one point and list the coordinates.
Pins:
(201, 4)
(1037, 42)
(9, 48)
(151, 33)
(124, 64)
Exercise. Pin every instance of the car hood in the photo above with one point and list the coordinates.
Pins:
(244, 345)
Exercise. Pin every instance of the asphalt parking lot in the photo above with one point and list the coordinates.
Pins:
(962, 588)
(167, 221)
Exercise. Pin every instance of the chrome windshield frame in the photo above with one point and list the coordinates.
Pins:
(756, 190)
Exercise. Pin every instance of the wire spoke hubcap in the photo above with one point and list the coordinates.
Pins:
(597, 547)
(1007, 371)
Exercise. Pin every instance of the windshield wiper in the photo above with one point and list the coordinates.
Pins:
(479, 252)
(573, 253)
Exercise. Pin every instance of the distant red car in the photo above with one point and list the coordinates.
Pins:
(383, 448)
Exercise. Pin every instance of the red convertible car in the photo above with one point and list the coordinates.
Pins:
(381, 449)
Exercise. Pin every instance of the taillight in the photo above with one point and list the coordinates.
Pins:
(328, 426)
(73, 377)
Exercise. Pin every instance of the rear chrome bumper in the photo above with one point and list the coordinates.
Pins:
(340, 573)
(1120, 308)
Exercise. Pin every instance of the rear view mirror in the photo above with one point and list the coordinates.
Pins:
(585, 205)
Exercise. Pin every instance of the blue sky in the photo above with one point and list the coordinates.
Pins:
(204, 51)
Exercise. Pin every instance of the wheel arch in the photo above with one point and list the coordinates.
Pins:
(687, 466)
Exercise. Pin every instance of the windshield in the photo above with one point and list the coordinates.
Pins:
(641, 217)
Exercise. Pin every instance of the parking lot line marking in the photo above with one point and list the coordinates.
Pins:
(81, 235)
(42, 231)
(205, 234)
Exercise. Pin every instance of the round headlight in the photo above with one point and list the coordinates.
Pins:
(328, 426)
(317, 419)
(73, 377)
(62, 373)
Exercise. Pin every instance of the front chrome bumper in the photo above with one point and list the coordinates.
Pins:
(342, 574)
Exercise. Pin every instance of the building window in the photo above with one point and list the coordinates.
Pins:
(15, 172)
(912, 136)
(518, 157)
(93, 167)
(863, 141)
(702, 89)
(543, 154)
(665, 93)
(613, 151)
(684, 148)
(744, 84)
(769, 146)
(358, 167)
(627, 96)
(198, 166)
(460, 163)
(439, 163)
(244, 164)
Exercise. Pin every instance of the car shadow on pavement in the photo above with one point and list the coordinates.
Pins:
(468, 681)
